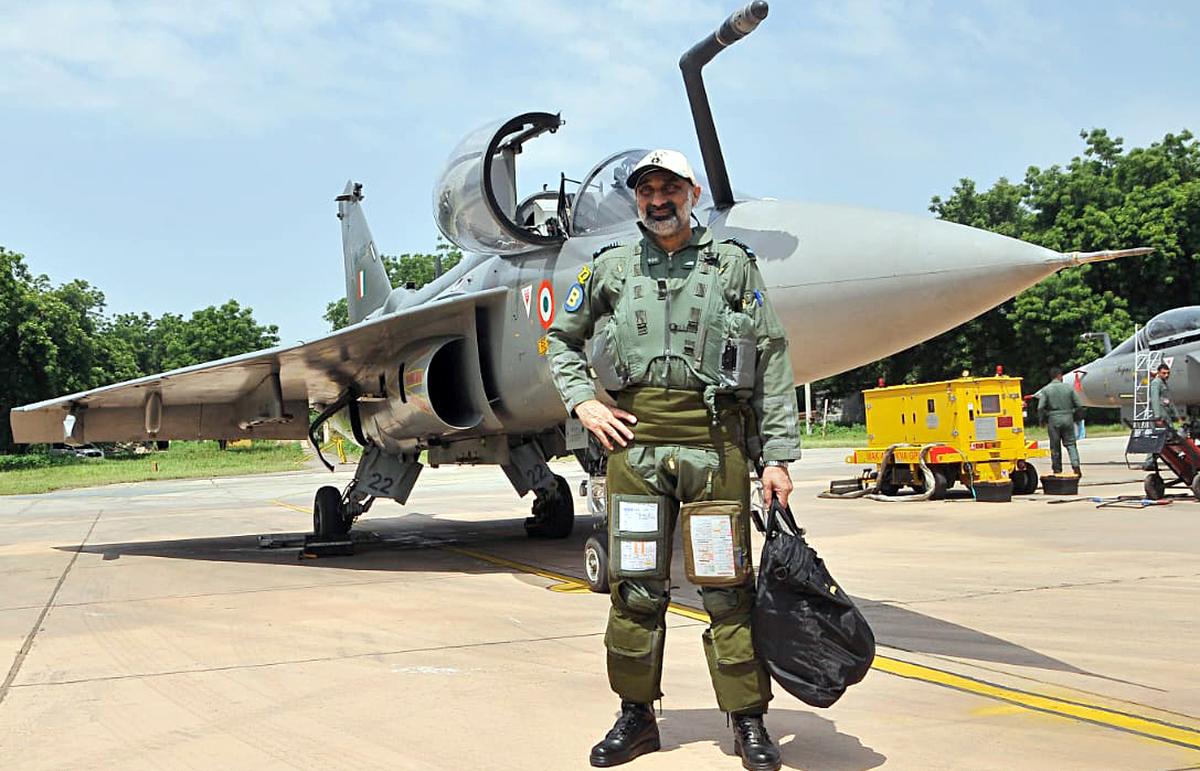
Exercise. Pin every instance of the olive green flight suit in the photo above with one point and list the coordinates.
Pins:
(1058, 406)
(1161, 406)
(675, 322)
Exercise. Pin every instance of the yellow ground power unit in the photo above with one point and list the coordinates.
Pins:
(970, 430)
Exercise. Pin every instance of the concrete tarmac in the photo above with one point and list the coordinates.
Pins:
(142, 627)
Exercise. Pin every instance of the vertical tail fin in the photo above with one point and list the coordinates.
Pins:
(367, 284)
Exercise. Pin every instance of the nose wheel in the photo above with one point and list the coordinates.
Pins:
(595, 562)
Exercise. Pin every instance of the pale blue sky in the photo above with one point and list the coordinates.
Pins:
(176, 154)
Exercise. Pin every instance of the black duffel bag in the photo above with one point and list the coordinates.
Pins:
(813, 640)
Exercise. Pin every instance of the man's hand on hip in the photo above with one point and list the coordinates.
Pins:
(607, 423)
(776, 481)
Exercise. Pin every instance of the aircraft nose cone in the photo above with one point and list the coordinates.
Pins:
(877, 282)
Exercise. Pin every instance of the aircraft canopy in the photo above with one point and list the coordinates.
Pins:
(1166, 328)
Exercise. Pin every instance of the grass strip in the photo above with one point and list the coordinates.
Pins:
(184, 460)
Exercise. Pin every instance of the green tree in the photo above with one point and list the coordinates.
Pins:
(412, 271)
(212, 333)
(51, 339)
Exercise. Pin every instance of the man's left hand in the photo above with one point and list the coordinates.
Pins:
(776, 481)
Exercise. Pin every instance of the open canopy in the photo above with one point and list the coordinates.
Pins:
(478, 208)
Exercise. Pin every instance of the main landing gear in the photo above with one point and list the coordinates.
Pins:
(553, 511)
(329, 515)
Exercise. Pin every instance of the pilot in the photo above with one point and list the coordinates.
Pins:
(1059, 407)
(1162, 409)
(696, 361)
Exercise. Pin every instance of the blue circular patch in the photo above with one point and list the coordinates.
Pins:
(574, 298)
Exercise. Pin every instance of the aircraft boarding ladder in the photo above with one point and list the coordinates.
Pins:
(1145, 364)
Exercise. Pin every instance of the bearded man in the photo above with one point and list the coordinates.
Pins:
(697, 363)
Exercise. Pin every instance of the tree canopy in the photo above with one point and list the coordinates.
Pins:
(56, 340)
(1106, 198)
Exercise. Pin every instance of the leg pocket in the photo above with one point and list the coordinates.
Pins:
(629, 637)
(639, 543)
(715, 548)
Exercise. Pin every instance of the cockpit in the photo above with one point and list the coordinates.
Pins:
(479, 206)
(1169, 328)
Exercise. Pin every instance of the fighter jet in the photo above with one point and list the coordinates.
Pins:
(1172, 338)
(458, 368)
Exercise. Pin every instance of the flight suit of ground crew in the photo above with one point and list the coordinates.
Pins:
(695, 352)
(1058, 406)
(1161, 406)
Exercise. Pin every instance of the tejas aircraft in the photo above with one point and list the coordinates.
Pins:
(1172, 338)
(458, 368)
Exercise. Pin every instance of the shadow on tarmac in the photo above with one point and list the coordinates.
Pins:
(410, 543)
(805, 740)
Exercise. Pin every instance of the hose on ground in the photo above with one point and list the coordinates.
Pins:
(873, 493)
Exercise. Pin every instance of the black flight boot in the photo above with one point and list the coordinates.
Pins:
(1078, 473)
(635, 733)
(751, 741)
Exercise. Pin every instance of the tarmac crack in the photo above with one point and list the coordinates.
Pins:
(1027, 589)
(27, 646)
(318, 659)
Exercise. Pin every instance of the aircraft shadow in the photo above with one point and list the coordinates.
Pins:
(806, 740)
(416, 542)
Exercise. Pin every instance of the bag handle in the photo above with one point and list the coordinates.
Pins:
(778, 512)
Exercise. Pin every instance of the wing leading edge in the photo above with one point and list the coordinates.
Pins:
(262, 395)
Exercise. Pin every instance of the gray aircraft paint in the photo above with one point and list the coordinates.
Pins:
(1108, 381)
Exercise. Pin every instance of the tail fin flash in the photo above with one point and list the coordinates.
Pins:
(367, 284)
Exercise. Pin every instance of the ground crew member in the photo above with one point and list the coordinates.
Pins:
(1162, 409)
(697, 362)
(1059, 407)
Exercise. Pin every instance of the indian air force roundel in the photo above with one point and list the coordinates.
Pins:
(545, 304)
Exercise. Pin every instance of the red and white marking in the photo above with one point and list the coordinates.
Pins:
(545, 304)
(527, 298)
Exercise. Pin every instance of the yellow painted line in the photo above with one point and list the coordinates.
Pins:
(291, 506)
(1147, 727)
(1088, 713)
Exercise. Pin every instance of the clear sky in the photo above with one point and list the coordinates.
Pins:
(177, 153)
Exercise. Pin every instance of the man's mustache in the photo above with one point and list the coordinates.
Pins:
(664, 212)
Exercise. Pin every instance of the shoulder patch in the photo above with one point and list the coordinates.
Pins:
(574, 298)
(604, 249)
(749, 252)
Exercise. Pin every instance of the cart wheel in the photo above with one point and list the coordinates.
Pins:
(1155, 487)
(939, 485)
(1196, 485)
(1025, 481)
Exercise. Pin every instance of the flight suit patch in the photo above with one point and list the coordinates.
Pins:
(574, 298)
(584, 274)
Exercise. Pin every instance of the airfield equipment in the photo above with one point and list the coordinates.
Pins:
(1174, 450)
(970, 430)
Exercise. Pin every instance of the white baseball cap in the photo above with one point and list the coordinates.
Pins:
(666, 160)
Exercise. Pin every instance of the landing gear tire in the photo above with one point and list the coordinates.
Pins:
(329, 518)
(1196, 486)
(1025, 481)
(595, 563)
(553, 513)
(1155, 487)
